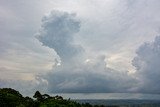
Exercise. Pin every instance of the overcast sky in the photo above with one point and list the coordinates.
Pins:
(89, 46)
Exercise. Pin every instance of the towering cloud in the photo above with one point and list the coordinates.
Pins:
(76, 73)
(57, 31)
(91, 51)
(147, 63)
(80, 72)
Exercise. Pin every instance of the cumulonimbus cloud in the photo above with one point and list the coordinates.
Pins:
(77, 74)
(57, 32)
(147, 63)
(131, 22)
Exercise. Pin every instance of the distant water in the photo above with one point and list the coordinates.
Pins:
(110, 96)
(123, 103)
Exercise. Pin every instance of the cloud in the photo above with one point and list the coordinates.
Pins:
(77, 73)
(57, 32)
(83, 64)
(91, 76)
(28, 88)
(100, 34)
(147, 65)
(21, 55)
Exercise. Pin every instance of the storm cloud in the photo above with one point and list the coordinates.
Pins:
(57, 31)
(147, 63)
(75, 73)
(81, 46)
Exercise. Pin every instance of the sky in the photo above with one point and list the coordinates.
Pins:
(80, 46)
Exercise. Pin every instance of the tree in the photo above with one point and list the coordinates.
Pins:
(38, 96)
(10, 91)
(58, 97)
(46, 96)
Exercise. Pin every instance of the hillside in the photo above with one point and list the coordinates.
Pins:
(12, 98)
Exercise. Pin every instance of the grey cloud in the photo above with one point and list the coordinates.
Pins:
(114, 28)
(21, 55)
(57, 32)
(87, 78)
(76, 74)
(24, 86)
(147, 64)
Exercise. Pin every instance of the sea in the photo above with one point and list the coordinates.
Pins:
(115, 99)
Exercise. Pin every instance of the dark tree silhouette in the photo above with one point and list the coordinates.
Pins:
(12, 98)
(46, 96)
(38, 96)
(58, 97)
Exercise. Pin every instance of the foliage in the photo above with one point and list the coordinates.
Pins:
(12, 98)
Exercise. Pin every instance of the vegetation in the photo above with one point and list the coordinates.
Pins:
(12, 98)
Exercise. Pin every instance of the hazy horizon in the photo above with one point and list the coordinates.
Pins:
(69, 46)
